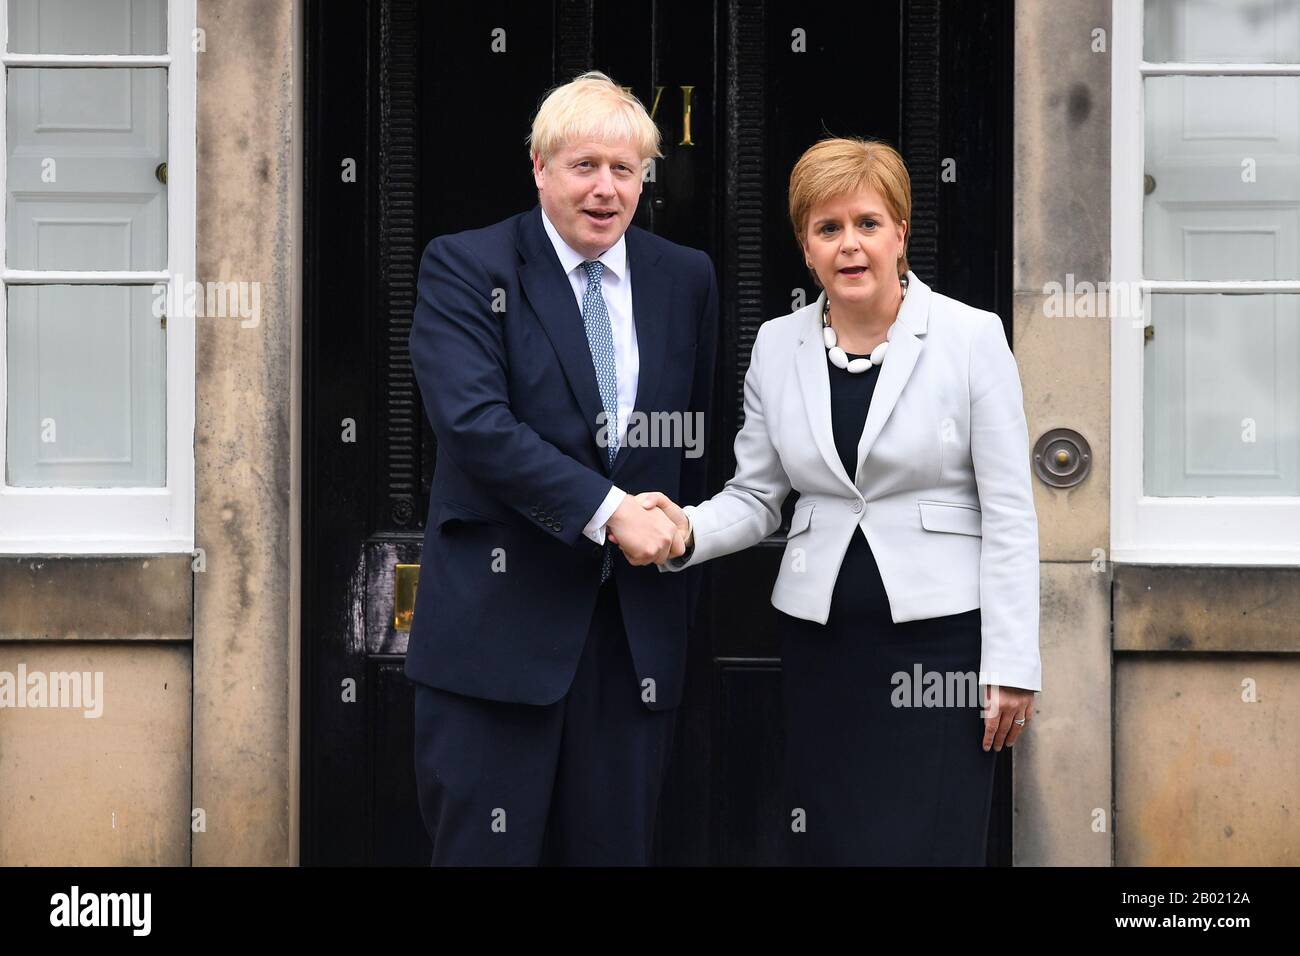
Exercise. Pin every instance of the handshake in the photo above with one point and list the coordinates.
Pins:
(649, 528)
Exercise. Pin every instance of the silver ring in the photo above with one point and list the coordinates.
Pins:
(1019, 721)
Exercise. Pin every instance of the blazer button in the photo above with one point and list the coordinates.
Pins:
(857, 507)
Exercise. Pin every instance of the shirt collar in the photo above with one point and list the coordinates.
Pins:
(614, 258)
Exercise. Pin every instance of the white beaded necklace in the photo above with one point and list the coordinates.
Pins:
(839, 358)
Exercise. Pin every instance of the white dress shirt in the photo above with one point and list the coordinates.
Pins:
(616, 287)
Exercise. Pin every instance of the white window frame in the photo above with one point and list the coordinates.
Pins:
(1224, 530)
(118, 520)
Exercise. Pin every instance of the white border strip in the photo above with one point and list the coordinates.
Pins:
(72, 277)
(1218, 69)
(97, 61)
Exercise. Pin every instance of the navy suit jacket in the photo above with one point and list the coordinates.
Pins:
(508, 581)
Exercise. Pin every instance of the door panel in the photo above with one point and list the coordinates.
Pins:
(1223, 202)
(84, 146)
(86, 402)
(86, 368)
(87, 26)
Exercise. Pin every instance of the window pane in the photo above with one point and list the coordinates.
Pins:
(1222, 408)
(86, 387)
(87, 26)
(1223, 157)
(84, 149)
(1222, 31)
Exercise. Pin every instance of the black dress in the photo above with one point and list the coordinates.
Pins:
(879, 784)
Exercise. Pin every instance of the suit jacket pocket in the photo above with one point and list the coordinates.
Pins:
(951, 516)
(800, 520)
(451, 511)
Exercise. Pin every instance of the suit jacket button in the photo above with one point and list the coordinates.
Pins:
(857, 507)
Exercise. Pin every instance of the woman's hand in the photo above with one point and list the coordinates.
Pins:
(644, 535)
(1006, 705)
(655, 499)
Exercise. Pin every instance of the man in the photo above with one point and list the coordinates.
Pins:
(548, 665)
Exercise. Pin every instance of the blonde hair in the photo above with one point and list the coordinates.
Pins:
(591, 107)
(842, 166)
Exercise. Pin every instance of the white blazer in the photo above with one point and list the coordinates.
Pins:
(942, 490)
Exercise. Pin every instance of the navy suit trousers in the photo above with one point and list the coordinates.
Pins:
(573, 783)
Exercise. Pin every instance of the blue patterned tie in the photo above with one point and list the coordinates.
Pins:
(600, 338)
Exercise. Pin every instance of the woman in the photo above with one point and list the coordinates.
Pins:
(911, 563)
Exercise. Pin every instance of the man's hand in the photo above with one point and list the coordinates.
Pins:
(654, 499)
(646, 534)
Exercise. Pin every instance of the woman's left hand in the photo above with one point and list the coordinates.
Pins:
(1006, 706)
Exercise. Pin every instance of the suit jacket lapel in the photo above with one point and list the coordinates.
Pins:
(652, 291)
(551, 296)
(815, 387)
(904, 349)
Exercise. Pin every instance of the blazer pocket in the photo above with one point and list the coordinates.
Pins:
(951, 516)
(800, 520)
(450, 511)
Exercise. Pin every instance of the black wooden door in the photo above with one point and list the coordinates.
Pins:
(416, 118)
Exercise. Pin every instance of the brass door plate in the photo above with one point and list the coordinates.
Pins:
(406, 582)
